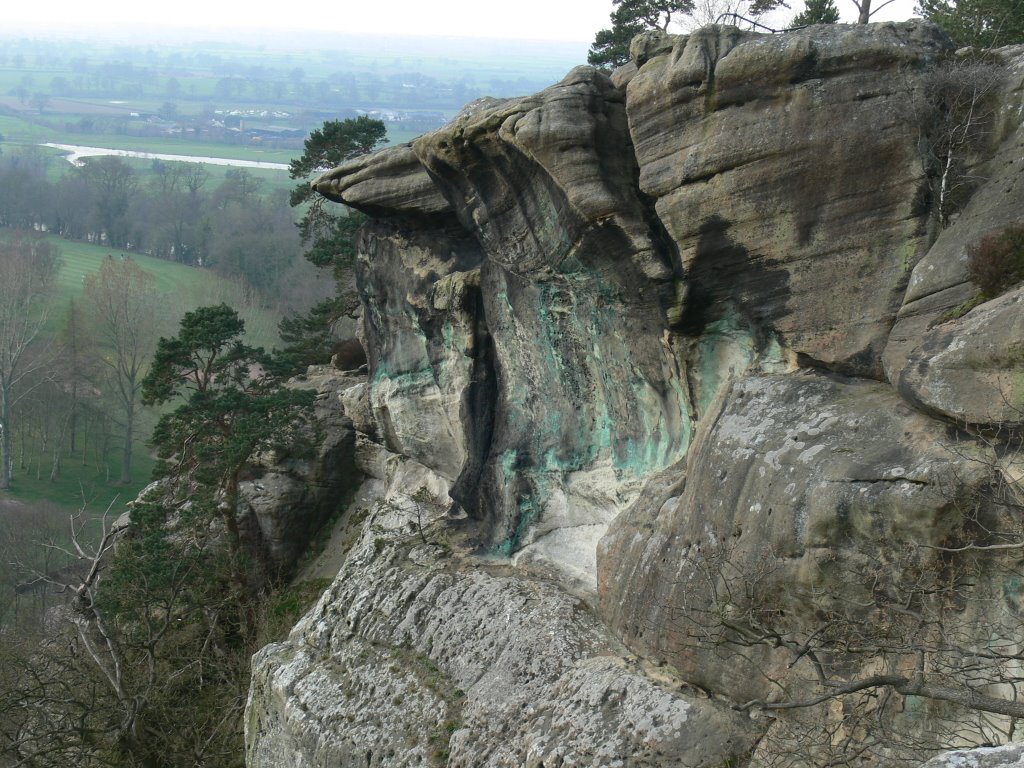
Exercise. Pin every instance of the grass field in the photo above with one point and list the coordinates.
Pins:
(84, 478)
(186, 287)
(82, 484)
(82, 259)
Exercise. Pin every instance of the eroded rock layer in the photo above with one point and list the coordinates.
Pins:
(677, 361)
(418, 656)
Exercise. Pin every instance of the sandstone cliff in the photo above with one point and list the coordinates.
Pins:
(666, 401)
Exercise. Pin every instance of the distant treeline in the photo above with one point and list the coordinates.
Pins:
(334, 80)
(174, 211)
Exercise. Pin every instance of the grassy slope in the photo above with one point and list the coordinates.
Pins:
(81, 481)
(188, 287)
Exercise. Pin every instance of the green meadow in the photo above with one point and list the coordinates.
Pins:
(88, 476)
(186, 287)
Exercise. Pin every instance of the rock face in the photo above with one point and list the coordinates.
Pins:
(1011, 756)
(930, 361)
(800, 472)
(290, 497)
(419, 655)
(971, 369)
(663, 397)
(781, 163)
(521, 352)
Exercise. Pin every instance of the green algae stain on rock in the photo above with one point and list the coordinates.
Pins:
(605, 406)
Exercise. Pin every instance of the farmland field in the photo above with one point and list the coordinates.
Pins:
(253, 102)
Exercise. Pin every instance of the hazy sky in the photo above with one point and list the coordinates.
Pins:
(526, 19)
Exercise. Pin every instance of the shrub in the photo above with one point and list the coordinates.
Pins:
(996, 262)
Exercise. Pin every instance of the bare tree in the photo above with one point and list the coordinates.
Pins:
(958, 103)
(704, 12)
(28, 267)
(114, 184)
(140, 666)
(129, 313)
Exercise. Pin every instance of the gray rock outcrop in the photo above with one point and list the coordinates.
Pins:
(422, 655)
(666, 413)
(1009, 756)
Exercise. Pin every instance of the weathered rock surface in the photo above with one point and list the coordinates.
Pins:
(971, 370)
(567, 379)
(782, 164)
(417, 656)
(371, 186)
(940, 281)
(793, 473)
(627, 331)
(421, 294)
(1009, 756)
(292, 496)
(562, 287)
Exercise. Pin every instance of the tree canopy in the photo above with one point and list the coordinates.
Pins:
(332, 144)
(817, 12)
(629, 18)
(208, 348)
(127, 311)
(978, 23)
(328, 236)
(233, 405)
(148, 664)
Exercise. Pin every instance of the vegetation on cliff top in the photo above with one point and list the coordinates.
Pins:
(152, 667)
(330, 236)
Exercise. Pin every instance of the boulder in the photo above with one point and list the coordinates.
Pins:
(784, 488)
(971, 370)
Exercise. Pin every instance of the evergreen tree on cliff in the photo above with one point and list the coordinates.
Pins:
(629, 18)
(232, 407)
(330, 237)
(817, 12)
(978, 23)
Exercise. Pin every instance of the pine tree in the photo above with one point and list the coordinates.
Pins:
(977, 23)
(631, 17)
(330, 237)
(817, 12)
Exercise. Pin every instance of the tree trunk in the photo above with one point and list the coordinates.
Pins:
(126, 455)
(58, 449)
(230, 512)
(5, 441)
(73, 426)
(865, 12)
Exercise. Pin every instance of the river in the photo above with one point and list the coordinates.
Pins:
(76, 153)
